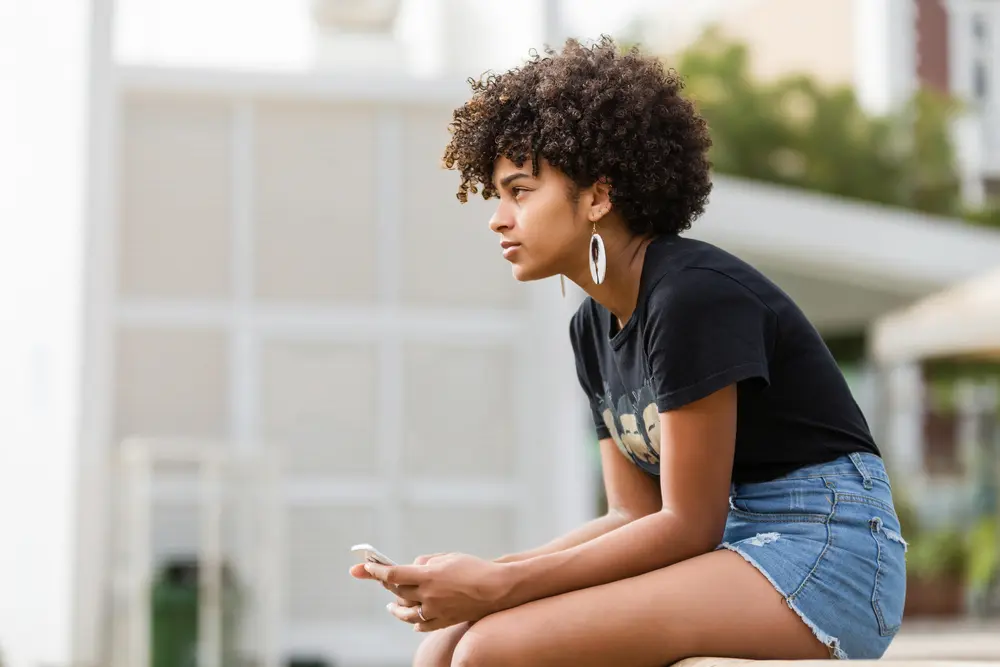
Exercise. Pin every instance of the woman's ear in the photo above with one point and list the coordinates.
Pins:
(600, 203)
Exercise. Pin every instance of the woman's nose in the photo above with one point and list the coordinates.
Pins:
(500, 221)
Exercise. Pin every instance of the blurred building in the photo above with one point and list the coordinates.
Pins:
(847, 264)
(277, 270)
(278, 267)
(885, 50)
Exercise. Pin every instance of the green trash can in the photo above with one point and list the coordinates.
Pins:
(174, 601)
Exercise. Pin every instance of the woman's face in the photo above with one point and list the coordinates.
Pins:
(543, 230)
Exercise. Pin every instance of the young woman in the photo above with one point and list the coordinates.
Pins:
(750, 513)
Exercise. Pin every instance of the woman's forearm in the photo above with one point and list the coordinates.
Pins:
(588, 531)
(646, 544)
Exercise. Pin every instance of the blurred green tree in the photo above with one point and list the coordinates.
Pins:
(794, 132)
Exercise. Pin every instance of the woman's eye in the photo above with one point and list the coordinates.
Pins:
(517, 192)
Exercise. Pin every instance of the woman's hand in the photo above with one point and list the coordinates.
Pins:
(448, 589)
(359, 572)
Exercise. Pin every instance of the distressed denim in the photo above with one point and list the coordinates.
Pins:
(828, 539)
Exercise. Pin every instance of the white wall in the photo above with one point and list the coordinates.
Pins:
(356, 336)
(884, 53)
(977, 133)
(43, 54)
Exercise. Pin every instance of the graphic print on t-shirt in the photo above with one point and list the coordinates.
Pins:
(634, 423)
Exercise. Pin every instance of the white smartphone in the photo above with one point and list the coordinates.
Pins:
(369, 554)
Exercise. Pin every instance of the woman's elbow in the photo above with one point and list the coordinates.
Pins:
(701, 534)
(632, 513)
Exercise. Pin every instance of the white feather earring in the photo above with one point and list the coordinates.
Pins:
(598, 258)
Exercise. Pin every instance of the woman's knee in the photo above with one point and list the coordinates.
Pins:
(486, 648)
(437, 648)
(470, 652)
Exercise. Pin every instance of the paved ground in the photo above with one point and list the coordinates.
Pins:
(966, 640)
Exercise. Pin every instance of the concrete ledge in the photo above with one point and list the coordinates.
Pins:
(731, 662)
(967, 641)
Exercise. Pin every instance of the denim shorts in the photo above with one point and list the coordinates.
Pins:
(828, 539)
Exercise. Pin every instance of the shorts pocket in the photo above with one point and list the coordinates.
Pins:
(889, 589)
(785, 500)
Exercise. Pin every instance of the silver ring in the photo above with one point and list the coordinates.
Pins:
(420, 612)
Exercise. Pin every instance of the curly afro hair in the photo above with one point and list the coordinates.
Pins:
(592, 113)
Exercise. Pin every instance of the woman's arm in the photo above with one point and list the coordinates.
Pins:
(631, 493)
(696, 458)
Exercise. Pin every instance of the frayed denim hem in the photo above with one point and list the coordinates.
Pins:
(832, 643)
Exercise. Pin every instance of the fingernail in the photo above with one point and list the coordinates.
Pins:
(389, 606)
(368, 568)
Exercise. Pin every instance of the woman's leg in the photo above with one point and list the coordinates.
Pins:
(714, 605)
(437, 648)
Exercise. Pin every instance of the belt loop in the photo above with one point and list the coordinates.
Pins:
(866, 478)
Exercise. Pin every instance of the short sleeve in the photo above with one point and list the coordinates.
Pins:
(704, 331)
(581, 335)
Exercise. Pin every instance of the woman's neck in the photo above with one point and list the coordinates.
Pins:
(619, 292)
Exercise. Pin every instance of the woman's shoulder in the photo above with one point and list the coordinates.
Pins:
(692, 274)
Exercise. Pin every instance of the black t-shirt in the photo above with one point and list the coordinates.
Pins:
(704, 320)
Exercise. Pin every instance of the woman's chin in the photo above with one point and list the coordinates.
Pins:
(525, 274)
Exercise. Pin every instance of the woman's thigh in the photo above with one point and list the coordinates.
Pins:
(716, 604)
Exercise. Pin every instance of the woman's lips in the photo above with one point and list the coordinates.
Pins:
(509, 248)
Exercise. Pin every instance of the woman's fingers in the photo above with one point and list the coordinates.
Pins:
(358, 571)
(407, 614)
(415, 614)
(432, 625)
(408, 594)
(403, 602)
(423, 560)
(407, 597)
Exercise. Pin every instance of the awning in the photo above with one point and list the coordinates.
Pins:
(961, 321)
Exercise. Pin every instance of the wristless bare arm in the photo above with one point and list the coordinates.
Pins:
(585, 533)
(631, 494)
(697, 444)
